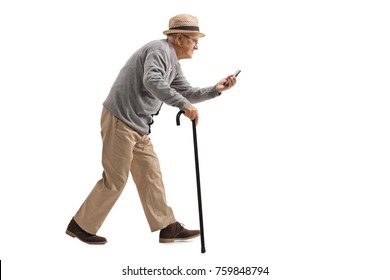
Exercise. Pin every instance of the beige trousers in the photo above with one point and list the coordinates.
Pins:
(124, 151)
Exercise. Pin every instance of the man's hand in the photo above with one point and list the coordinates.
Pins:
(231, 82)
(192, 113)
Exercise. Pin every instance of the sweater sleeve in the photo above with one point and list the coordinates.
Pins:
(192, 94)
(156, 71)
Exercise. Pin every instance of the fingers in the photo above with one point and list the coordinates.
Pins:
(192, 113)
(226, 83)
(196, 119)
(231, 81)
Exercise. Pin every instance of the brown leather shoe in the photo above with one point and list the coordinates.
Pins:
(176, 232)
(74, 230)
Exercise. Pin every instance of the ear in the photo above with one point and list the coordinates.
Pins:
(178, 39)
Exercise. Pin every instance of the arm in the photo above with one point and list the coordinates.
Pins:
(193, 94)
(155, 71)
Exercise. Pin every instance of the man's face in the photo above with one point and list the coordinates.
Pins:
(189, 43)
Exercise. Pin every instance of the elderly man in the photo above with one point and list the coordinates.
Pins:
(152, 76)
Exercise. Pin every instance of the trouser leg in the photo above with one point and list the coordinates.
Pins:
(145, 169)
(118, 144)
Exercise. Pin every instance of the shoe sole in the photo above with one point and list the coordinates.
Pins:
(71, 234)
(170, 240)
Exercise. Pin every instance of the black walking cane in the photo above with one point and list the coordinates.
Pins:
(203, 248)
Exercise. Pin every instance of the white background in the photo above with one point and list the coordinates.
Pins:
(294, 160)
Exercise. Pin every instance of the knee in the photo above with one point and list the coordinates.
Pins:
(114, 183)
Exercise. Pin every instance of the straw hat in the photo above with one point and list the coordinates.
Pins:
(183, 23)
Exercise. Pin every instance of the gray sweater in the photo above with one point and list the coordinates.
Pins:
(152, 76)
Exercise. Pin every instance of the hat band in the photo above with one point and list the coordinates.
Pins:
(190, 28)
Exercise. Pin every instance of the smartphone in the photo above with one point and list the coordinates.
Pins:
(225, 84)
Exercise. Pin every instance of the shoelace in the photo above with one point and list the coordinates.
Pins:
(180, 227)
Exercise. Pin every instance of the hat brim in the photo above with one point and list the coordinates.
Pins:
(174, 31)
